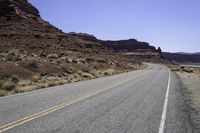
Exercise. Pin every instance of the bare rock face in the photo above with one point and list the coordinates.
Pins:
(19, 17)
(130, 45)
(17, 8)
(21, 27)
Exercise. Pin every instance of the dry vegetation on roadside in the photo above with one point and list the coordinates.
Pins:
(178, 68)
(22, 72)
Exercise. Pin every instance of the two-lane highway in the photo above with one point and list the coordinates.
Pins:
(144, 101)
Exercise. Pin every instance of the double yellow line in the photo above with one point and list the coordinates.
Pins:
(57, 107)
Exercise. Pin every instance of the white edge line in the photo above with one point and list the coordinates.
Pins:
(164, 112)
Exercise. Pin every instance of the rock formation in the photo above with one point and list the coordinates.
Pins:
(130, 45)
(33, 50)
(31, 46)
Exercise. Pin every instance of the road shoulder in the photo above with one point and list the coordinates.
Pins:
(190, 84)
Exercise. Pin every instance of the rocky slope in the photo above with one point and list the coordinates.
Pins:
(34, 54)
(183, 57)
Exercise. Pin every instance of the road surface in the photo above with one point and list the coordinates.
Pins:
(144, 101)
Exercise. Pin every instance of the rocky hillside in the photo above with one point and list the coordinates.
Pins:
(183, 57)
(34, 54)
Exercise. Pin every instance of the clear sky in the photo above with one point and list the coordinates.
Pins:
(174, 25)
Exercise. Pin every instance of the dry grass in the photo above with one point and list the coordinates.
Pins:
(41, 86)
(35, 78)
(1, 83)
(178, 68)
(19, 91)
(39, 81)
(52, 56)
(33, 63)
(108, 72)
(13, 56)
(21, 88)
(95, 74)
(52, 83)
(86, 75)
(3, 93)
(8, 86)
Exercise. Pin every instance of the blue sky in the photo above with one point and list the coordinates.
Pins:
(174, 25)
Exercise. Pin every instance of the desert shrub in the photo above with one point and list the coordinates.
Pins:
(175, 69)
(191, 71)
(22, 51)
(111, 63)
(68, 60)
(47, 30)
(3, 50)
(63, 59)
(188, 70)
(82, 60)
(43, 54)
(89, 60)
(9, 86)
(62, 54)
(75, 61)
(65, 68)
(1, 83)
(86, 69)
(3, 93)
(182, 67)
(41, 86)
(37, 36)
(33, 63)
(86, 75)
(12, 56)
(106, 73)
(95, 73)
(68, 81)
(35, 78)
(52, 83)
(19, 91)
(101, 61)
(52, 56)
(61, 82)
(14, 79)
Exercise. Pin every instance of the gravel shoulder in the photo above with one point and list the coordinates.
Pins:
(191, 89)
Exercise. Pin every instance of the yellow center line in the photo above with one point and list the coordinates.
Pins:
(57, 107)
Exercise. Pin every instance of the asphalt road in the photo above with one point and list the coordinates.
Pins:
(144, 101)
